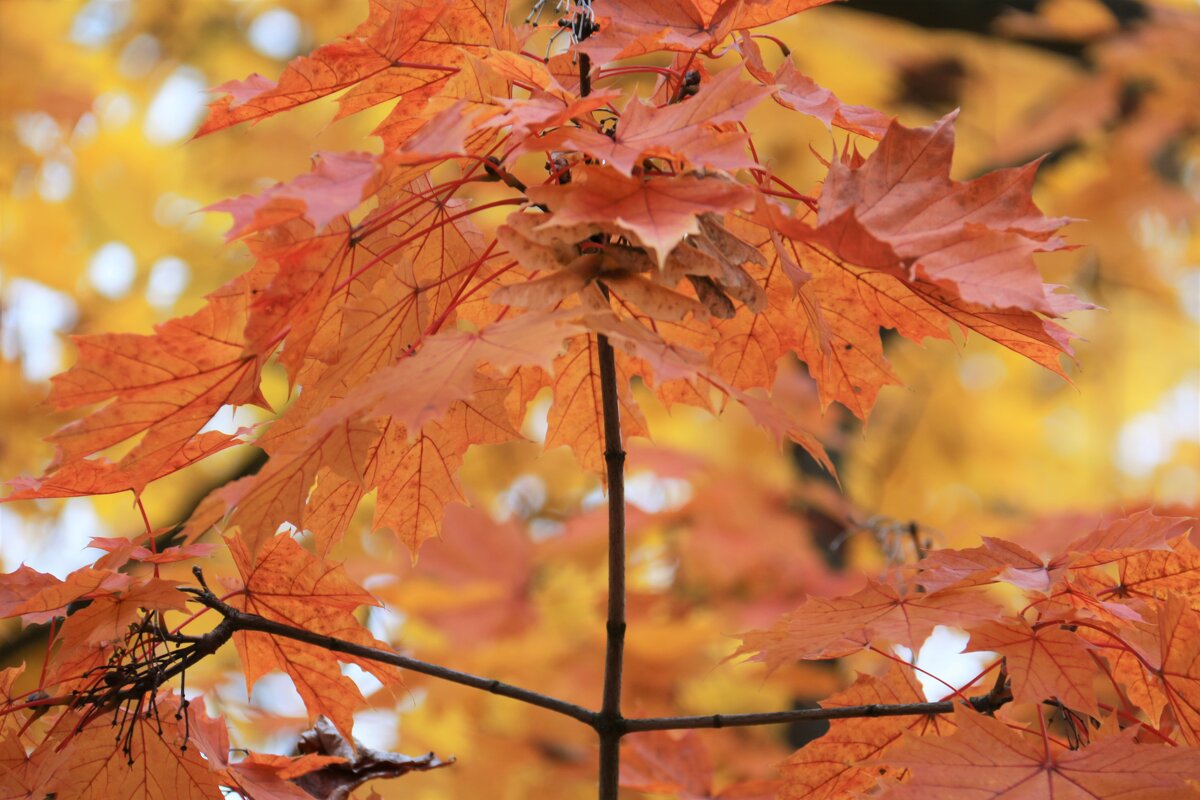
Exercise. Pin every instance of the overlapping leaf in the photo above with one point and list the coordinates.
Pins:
(286, 584)
(831, 767)
(976, 237)
(830, 628)
(372, 60)
(985, 759)
(663, 763)
(335, 186)
(659, 211)
(686, 130)
(1045, 661)
(157, 766)
(635, 28)
(166, 386)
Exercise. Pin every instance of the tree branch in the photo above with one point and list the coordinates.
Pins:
(980, 16)
(242, 621)
(984, 703)
(609, 722)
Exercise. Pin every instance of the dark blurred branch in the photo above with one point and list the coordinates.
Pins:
(980, 17)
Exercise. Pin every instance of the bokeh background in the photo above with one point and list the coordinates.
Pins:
(102, 228)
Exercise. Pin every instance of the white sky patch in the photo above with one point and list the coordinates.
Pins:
(1142, 445)
(38, 131)
(177, 108)
(378, 728)
(537, 418)
(139, 56)
(275, 33)
(593, 499)
(229, 418)
(653, 494)
(541, 529)
(654, 570)
(1155, 232)
(56, 180)
(1188, 285)
(275, 692)
(942, 655)
(367, 683)
(34, 317)
(523, 498)
(99, 21)
(384, 623)
(169, 276)
(57, 546)
(112, 270)
(113, 109)
(86, 128)
(1147, 440)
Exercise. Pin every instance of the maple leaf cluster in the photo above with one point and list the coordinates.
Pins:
(414, 323)
(1097, 644)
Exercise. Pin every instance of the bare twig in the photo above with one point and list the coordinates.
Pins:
(242, 621)
(984, 703)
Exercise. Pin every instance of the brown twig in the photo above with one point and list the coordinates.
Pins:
(984, 703)
(243, 621)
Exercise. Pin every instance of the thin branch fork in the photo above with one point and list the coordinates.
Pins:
(236, 620)
(243, 621)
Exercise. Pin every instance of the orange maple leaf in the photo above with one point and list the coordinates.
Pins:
(107, 618)
(445, 368)
(801, 93)
(976, 238)
(658, 212)
(333, 187)
(286, 584)
(662, 762)
(1140, 533)
(576, 419)
(167, 385)
(1156, 573)
(1044, 661)
(636, 27)
(831, 768)
(372, 59)
(985, 758)
(994, 559)
(836, 627)
(48, 595)
(683, 130)
(157, 767)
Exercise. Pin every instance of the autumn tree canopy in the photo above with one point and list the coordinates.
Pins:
(523, 417)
